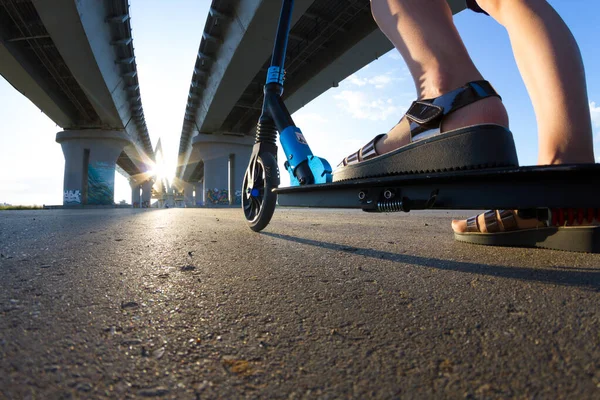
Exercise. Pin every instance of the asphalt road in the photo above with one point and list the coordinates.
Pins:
(328, 304)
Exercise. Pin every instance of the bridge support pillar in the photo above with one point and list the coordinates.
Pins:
(198, 197)
(90, 161)
(188, 194)
(147, 194)
(225, 158)
(136, 195)
(216, 182)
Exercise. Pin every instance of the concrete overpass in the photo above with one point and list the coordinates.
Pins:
(329, 40)
(74, 60)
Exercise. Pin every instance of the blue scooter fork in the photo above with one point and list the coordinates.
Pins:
(304, 168)
(297, 153)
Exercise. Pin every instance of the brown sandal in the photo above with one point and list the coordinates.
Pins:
(555, 229)
(478, 146)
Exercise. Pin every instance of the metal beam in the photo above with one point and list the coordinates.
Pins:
(208, 36)
(213, 12)
(125, 61)
(121, 42)
(117, 19)
(18, 39)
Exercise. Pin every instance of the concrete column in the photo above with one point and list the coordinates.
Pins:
(225, 158)
(170, 198)
(198, 197)
(237, 167)
(90, 161)
(188, 194)
(136, 196)
(146, 194)
(216, 181)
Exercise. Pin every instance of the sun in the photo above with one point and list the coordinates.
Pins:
(160, 171)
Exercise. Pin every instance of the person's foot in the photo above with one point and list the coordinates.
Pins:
(485, 111)
(460, 226)
(475, 106)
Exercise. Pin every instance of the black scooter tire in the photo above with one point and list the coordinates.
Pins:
(259, 210)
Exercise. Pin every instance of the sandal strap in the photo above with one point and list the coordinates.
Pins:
(491, 221)
(351, 159)
(368, 150)
(427, 114)
(508, 220)
(472, 224)
(364, 153)
(502, 220)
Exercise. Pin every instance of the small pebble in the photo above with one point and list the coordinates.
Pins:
(83, 387)
(153, 392)
(131, 342)
(158, 353)
(129, 304)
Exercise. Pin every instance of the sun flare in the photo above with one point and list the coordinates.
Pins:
(160, 171)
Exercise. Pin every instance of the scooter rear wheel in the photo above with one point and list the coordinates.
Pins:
(258, 198)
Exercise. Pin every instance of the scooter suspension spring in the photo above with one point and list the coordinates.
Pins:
(390, 206)
(266, 133)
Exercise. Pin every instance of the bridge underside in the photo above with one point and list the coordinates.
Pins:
(329, 40)
(74, 60)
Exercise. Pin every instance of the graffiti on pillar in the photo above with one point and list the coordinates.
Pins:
(217, 197)
(71, 197)
(101, 183)
(238, 197)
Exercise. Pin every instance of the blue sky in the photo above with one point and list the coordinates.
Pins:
(166, 39)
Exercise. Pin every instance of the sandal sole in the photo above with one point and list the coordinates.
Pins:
(481, 146)
(583, 239)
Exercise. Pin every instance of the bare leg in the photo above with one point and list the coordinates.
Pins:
(427, 39)
(550, 63)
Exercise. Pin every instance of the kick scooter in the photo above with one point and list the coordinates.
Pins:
(560, 186)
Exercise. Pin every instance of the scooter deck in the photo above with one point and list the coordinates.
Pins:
(558, 186)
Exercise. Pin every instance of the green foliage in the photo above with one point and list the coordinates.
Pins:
(5, 208)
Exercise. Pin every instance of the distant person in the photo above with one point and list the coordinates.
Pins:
(455, 101)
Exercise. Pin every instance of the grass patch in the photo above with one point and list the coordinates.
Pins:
(4, 208)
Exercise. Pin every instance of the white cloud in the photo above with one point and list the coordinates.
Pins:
(595, 113)
(394, 55)
(308, 117)
(378, 81)
(350, 145)
(360, 106)
(355, 80)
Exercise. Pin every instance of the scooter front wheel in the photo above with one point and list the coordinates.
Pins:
(258, 198)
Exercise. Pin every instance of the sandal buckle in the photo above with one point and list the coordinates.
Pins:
(424, 113)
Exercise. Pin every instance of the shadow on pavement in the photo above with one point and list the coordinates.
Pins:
(584, 277)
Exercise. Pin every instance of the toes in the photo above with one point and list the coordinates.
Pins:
(459, 225)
